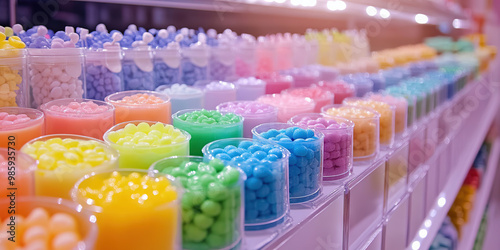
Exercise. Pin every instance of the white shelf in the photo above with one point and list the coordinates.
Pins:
(475, 132)
(469, 231)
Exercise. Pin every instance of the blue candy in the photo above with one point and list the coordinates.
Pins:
(253, 183)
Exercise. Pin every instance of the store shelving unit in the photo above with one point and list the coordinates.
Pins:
(491, 241)
(469, 231)
(468, 140)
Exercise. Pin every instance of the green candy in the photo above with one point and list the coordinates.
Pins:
(220, 227)
(187, 215)
(229, 176)
(203, 221)
(207, 179)
(211, 208)
(206, 169)
(217, 164)
(217, 192)
(176, 172)
(216, 241)
(194, 233)
(191, 166)
(183, 180)
(186, 202)
(197, 197)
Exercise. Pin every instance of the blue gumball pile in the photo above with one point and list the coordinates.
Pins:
(305, 162)
(265, 165)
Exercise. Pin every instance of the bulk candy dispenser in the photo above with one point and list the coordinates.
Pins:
(140, 143)
(167, 61)
(212, 205)
(57, 72)
(306, 157)
(152, 212)
(366, 129)
(266, 186)
(20, 125)
(13, 91)
(206, 126)
(64, 159)
(78, 116)
(338, 132)
(138, 67)
(140, 105)
(194, 62)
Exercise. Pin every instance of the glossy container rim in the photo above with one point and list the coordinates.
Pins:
(65, 101)
(349, 123)
(253, 115)
(39, 117)
(175, 117)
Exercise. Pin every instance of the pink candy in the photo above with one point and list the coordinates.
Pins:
(7, 119)
(320, 96)
(255, 113)
(83, 107)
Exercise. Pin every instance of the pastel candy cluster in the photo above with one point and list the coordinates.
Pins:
(210, 117)
(135, 78)
(40, 230)
(180, 89)
(276, 83)
(265, 59)
(210, 205)
(337, 156)
(219, 85)
(302, 77)
(288, 105)
(141, 99)
(55, 81)
(366, 126)
(67, 154)
(7, 119)
(265, 190)
(183, 96)
(132, 191)
(79, 107)
(401, 110)
(362, 83)
(305, 159)
(166, 75)
(145, 135)
(243, 68)
(386, 117)
(247, 108)
(320, 97)
(101, 82)
(13, 42)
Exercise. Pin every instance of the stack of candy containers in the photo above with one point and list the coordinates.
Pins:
(300, 51)
(362, 83)
(306, 157)
(119, 227)
(13, 90)
(212, 205)
(302, 77)
(275, 83)
(194, 62)
(138, 67)
(135, 105)
(167, 61)
(266, 56)
(339, 89)
(245, 61)
(266, 187)
(103, 62)
(222, 58)
(288, 105)
(338, 132)
(57, 72)
(284, 52)
(183, 96)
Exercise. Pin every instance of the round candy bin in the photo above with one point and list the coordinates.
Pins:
(387, 117)
(401, 110)
(366, 128)
(183, 96)
(217, 92)
(46, 221)
(253, 113)
(19, 125)
(306, 159)
(276, 83)
(103, 73)
(13, 91)
(140, 143)
(55, 74)
(78, 116)
(319, 96)
(130, 205)
(24, 167)
(206, 126)
(138, 69)
(212, 205)
(288, 105)
(140, 105)
(338, 132)
(249, 89)
(266, 188)
(64, 159)
(339, 89)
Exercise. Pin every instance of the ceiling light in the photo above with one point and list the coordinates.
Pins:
(421, 19)
(371, 11)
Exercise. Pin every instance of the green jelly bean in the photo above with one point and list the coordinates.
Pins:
(217, 192)
(203, 221)
(229, 176)
(194, 233)
(211, 208)
(217, 164)
(187, 215)
(215, 240)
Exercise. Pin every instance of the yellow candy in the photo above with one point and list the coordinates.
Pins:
(2, 36)
(16, 42)
(145, 135)
(9, 31)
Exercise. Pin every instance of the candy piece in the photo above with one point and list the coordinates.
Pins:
(288, 106)
(319, 96)
(254, 113)
(64, 241)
